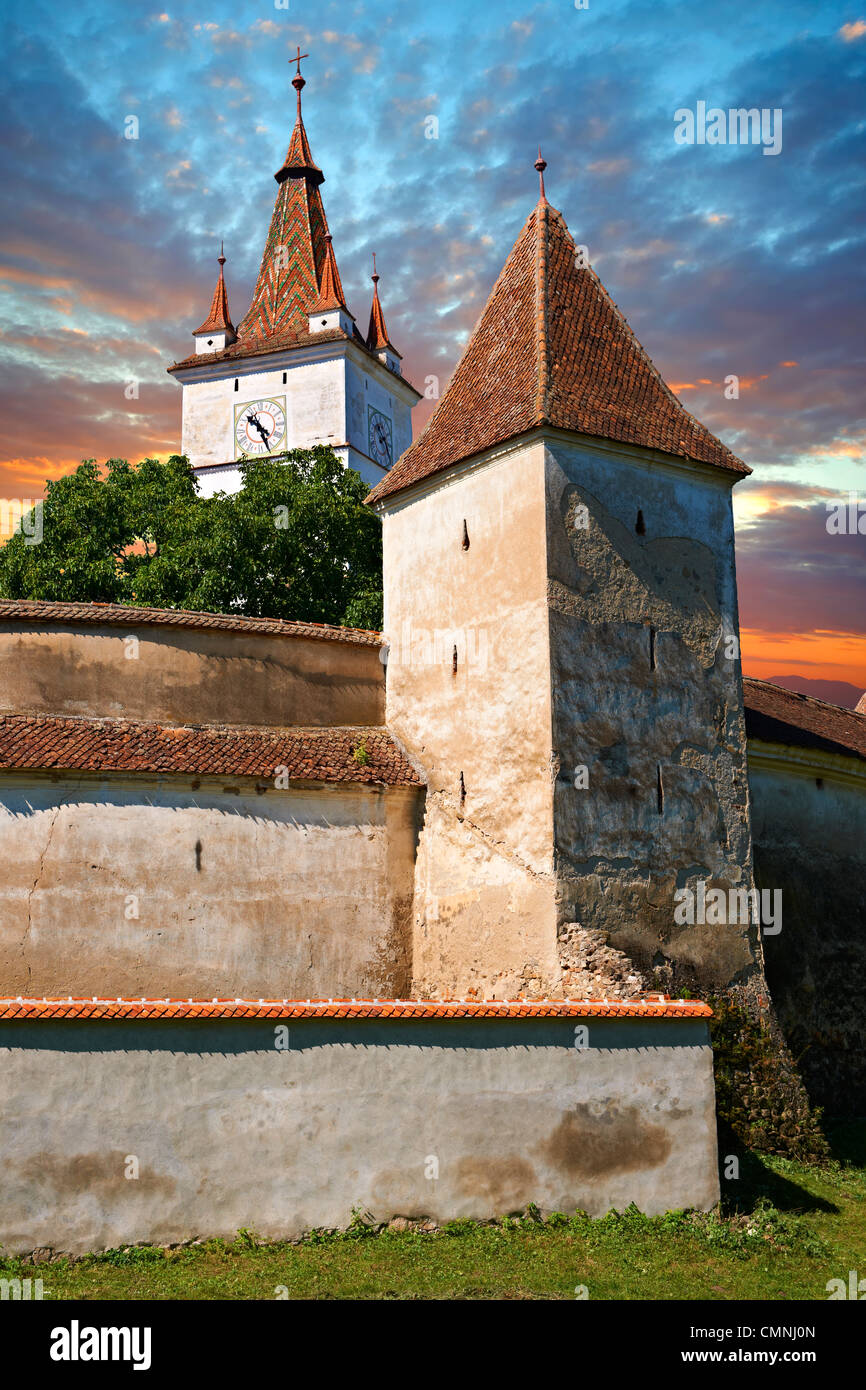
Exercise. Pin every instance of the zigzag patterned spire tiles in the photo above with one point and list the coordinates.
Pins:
(291, 268)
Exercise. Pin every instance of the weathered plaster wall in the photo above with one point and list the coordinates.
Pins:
(231, 1132)
(646, 701)
(810, 842)
(605, 650)
(165, 887)
(485, 913)
(188, 675)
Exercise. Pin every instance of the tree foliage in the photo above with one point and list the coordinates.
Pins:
(295, 542)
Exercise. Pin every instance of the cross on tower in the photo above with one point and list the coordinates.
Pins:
(298, 58)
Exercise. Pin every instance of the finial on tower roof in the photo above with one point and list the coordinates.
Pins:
(541, 165)
(299, 161)
(298, 81)
(377, 333)
(218, 320)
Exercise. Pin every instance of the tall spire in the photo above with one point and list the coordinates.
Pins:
(218, 320)
(377, 333)
(298, 256)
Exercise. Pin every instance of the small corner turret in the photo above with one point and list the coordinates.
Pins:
(377, 334)
(217, 331)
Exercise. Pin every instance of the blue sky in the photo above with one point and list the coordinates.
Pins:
(724, 260)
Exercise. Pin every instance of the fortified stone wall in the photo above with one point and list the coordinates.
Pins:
(144, 859)
(255, 672)
(809, 827)
(231, 1131)
(468, 694)
(159, 886)
(610, 636)
(649, 744)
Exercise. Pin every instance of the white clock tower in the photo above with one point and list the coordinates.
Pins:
(296, 371)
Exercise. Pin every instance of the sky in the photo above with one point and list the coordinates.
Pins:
(726, 261)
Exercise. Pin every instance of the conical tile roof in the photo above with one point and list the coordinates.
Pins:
(377, 333)
(552, 348)
(218, 320)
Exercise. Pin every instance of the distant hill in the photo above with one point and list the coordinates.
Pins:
(834, 692)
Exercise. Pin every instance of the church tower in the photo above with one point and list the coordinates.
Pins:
(561, 612)
(297, 371)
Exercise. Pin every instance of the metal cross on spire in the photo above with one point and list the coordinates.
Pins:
(298, 82)
(297, 59)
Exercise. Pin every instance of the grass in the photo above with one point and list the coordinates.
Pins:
(782, 1231)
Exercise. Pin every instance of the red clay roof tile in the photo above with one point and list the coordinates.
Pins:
(377, 333)
(653, 1007)
(218, 320)
(122, 615)
(41, 742)
(775, 715)
(330, 294)
(296, 249)
(551, 347)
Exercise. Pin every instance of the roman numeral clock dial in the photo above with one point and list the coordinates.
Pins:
(260, 427)
(379, 437)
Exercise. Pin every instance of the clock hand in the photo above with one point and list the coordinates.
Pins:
(265, 434)
(381, 436)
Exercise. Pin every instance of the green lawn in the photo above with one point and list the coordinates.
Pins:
(784, 1230)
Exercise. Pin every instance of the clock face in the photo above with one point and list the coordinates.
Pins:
(260, 427)
(379, 437)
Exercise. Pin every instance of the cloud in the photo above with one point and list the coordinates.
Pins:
(180, 170)
(609, 167)
(723, 263)
(795, 576)
(230, 38)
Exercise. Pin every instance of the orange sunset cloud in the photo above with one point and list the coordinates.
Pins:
(830, 655)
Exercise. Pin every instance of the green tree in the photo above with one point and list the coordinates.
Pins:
(295, 542)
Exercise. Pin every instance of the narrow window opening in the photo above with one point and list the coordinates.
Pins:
(660, 790)
(652, 649)
(462, 791)
(285, 377)
(640, 524)
(236, 383)
(454, 662)
(198, 856)
(465, 535)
